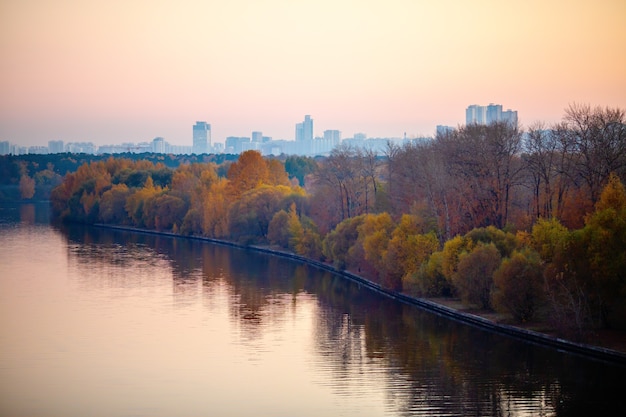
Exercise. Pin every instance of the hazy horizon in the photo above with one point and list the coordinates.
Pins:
(113, 72)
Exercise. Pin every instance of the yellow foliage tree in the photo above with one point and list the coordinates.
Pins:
(247, 173)
(27, 187)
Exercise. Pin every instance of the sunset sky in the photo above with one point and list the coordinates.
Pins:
(118, 71)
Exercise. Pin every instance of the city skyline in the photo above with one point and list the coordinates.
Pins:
(113, 72)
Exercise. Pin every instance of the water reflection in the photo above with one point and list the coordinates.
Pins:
(428, 364)
(31, 213)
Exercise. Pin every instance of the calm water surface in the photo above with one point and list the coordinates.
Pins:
(95, 322)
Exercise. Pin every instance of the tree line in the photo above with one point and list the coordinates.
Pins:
(33, 176)
(531, 224)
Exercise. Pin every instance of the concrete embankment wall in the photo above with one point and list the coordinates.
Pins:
(595, 352)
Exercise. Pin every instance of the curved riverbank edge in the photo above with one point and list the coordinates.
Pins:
(591, 351)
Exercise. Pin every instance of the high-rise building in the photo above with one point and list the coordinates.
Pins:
(494, 113)
(55, 146)
(475, 114)
(333, 137)
(158, 145)
(510, 116)
(443, 130)
(304, 130)
(201, 138)
(5, 148)
(236, 145)
(485, 115)
(257, 137)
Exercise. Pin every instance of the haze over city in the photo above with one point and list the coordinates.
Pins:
(115, 71)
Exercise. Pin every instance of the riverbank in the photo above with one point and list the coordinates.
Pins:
(445, 307)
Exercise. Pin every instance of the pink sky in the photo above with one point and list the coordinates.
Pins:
(118, 71)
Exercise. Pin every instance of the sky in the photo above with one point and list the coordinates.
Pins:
(128, 71)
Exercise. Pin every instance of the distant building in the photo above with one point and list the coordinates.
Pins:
(158, 145)
(494, 113)
(444, 130)
(38, 150)
(475, 114)
(257, 137)
(509, 116)
(18, 150)
(218, 147)
(201, 138)
(332, 136)
(304, 130)
(81, 147)
(55, 146)
(235, 144)
(5, 148)
(486, 115)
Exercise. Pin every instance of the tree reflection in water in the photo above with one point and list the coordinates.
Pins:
(429, 364)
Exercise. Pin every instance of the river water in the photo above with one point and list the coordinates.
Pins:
(96, 322)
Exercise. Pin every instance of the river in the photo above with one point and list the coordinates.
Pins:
(98, 322)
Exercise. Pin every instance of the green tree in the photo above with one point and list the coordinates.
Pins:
(519, 285)
(299, 167)
(474, 276)
(278, 230)
(604, 236)
(430, 280)
(296, 231)
(451, 254)
(505, 242)
(338, 245)
(547, 237)
(310, 244)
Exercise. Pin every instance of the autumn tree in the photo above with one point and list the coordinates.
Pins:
(484, 161)
(408, 249)
(599, 138)
(247, 173)
(346, 177)
(169, 212)
(27, 187)
(112, 205)
(215, 208)
(139, 203)
(373, 237)
(250, 215)
(277, 174)
(548, 161)
(418, 180)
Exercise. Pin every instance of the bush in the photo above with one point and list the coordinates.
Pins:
(519, 285)
(474, 276)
